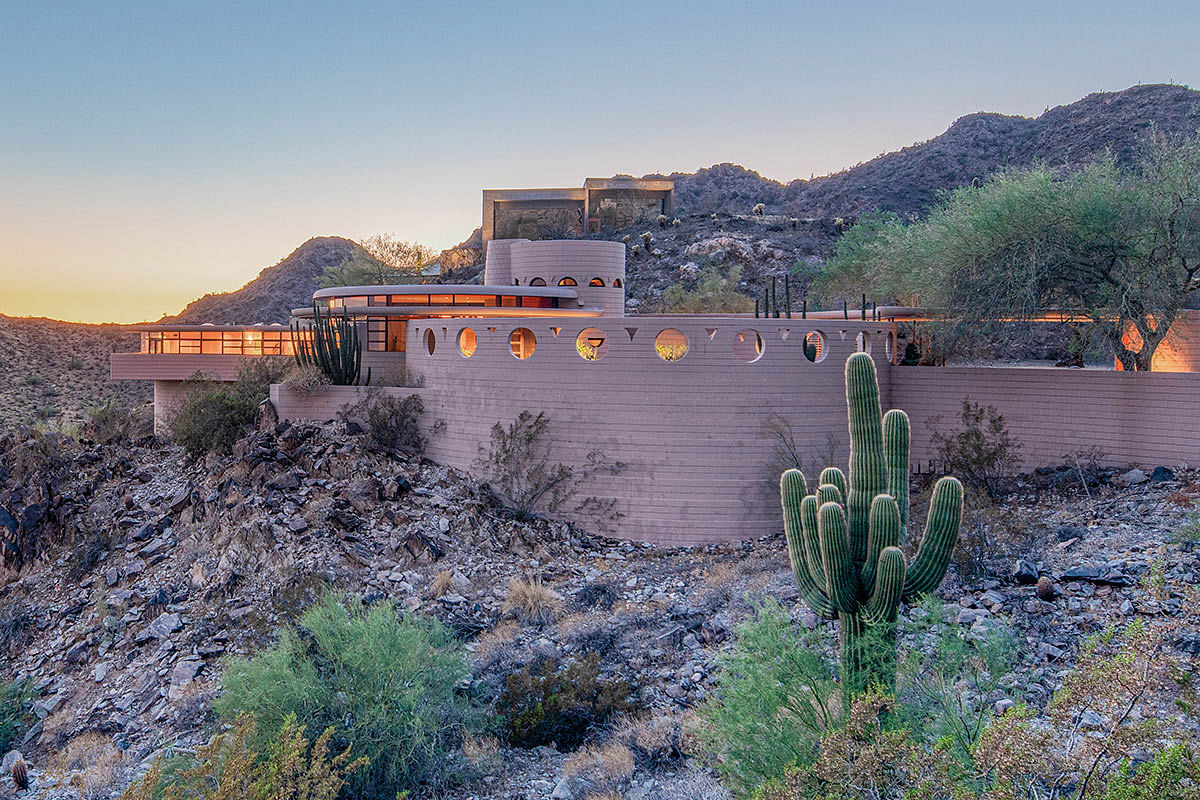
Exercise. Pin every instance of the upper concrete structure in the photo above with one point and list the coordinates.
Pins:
(602, 204)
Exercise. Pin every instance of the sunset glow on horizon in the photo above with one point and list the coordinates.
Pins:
(152, 153)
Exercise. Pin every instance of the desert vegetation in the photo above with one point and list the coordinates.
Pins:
(215, 414)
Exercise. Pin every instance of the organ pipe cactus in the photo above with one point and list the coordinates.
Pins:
(331, 344)
(844, 539)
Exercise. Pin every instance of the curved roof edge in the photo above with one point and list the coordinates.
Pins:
(445, 288)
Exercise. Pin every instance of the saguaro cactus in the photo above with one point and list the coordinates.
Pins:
(332, 345)
(844, 540)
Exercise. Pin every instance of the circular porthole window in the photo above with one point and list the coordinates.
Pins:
(592, 344)
(889, 347)
(467, 342)
(814, 346)
(748, 346)
(617, 283)
(862, 342)
(430, 340)
(522, 343)
(671, 344)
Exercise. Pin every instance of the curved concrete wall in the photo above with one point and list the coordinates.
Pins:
(694, 433)
(552, 260)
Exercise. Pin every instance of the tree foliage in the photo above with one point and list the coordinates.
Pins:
(1120, 250)
(384, 260)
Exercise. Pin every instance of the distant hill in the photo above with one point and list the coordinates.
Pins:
(908, 181)
(272, 295)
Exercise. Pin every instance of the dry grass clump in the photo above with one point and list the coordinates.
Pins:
(532, 601)
(91, 765)
(654, 741)
(440, 584)
(607, 769)
(722, 573)
(483, 752)
(495, 646)
(588, 630)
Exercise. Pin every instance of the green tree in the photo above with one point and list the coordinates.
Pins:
(714, 294)
(1119, 250)
(384, 259)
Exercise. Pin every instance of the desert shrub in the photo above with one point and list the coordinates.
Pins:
(111, 421)
(714, 293)
(531, 601)
(385, 684)
(213, 415)
(519, 470)
(87, 553)
(603, 769)
(982, 451)
(391, 421)
(869, 759)
(17, 623)
(776, 696)
(944, 683)
(306, 381)
(544, 704)
(1174, 774)
(16, 711)
(90, 765)
(230, 767)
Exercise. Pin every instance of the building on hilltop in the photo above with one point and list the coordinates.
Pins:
(602, 204)
(701, 409)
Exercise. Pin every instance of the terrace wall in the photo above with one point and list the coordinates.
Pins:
(693, 433)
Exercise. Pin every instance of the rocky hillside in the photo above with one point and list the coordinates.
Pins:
(272, 295)
(56, 371)
(907, 181)
(151, 570)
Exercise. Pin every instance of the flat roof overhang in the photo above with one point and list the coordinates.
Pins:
(424, 312)
(206, 326)
(446, 288)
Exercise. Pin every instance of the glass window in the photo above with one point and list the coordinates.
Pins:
(210, 342)
(567, 282)
(509, 301)
(618, 283)
(408, 300)
(536, 302)
(814, 346)
(536, 282)
(596, 282)
(441, 299)
(430, 340)
(376, 334)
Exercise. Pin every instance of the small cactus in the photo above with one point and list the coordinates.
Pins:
(839, 223)
(714, 217)
(626, 238)
(647, 238)
(760, 209)
(794, 222)
(662, 220)
(20, 774)
(675, 222)
(1046, 589)
(635, 249)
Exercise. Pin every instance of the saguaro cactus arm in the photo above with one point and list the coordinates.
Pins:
(895, 451)
(792, 489)
(884, 532)
(841, 577)
(941, 531)
(884, 604)
(868, 469)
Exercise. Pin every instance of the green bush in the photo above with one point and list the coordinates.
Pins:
(110, 422)
(1174, 774)
(391, 421)
(714, 294)
(16, 711)
(214, 414)
(545, 705)
(386, 685)
(230, 768)
(777, 695)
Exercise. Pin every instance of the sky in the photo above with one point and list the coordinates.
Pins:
(153, 152)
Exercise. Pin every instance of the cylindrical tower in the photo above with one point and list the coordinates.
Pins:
(497, 264)
(594, 269)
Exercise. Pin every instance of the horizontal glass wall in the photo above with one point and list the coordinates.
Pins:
(227, 343)
(477, 300)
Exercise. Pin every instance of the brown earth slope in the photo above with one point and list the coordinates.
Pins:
(53, 370)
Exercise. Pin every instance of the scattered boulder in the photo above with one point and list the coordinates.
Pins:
(1024, 572)
(1046, 590)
